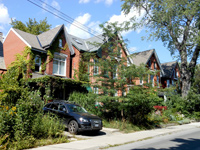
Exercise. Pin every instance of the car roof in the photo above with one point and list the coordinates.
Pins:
(64, 102)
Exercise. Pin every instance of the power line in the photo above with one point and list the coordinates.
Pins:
(65, 17)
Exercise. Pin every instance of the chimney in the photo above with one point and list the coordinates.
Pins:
(1, 37)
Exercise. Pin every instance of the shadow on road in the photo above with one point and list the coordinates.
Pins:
(182, 144)
(91, 133)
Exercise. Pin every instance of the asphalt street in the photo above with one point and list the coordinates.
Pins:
(184, 140)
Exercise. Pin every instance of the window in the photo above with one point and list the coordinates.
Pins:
(149, 64)
(116, 93)
(155, 65)
(60, 43)
(172, 82)
(59, 64)
(141, 80)
(119, 54)
(115, 72)
(158, 81)
(96, 90)
(168, 83)
(37, 63)
(110, 48)
(152, 80)
(96, 68)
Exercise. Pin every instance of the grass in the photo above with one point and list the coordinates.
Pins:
(32, 143)
(123, 126)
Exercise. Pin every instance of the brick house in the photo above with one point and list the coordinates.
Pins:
(66, 54)
(84, 45)
(16, 41)
(2, 63)
(150, 59)
(171, 73)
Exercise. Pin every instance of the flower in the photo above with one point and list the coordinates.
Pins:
(14, 108)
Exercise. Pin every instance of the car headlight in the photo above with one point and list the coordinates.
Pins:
(83, 120)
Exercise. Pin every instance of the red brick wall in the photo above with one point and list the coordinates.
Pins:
(75, 62)
(12, 45)
(153, 59)
(49, 67)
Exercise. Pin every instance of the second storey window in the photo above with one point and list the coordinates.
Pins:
(96, 90)
(37, 63)
(149, 64)
(96, 68)
(59, 65)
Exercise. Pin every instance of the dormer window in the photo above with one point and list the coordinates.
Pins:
(37, 63)
(60, 43)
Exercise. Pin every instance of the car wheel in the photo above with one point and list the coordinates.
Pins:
(73, 127)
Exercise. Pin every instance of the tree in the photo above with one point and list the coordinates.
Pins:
(32, 26)
(176, 23)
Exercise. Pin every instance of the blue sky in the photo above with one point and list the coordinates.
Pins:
(91, 13)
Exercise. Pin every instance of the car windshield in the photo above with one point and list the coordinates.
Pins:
(76, 108)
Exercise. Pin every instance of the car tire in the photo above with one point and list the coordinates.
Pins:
(73, 127)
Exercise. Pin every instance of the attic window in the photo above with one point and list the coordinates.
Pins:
(77, 41)
(60, 43)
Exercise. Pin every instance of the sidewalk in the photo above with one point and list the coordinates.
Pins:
(117, 139)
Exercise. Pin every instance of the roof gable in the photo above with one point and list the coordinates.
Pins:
(44, 40)
(168, 68)
(144, 56)
(47, 38)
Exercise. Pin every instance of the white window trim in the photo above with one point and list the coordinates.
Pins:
(39, 63)
(64, 56)
(152, 80)
(96, 90)
(141, 83)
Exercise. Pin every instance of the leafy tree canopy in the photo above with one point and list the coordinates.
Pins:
(176, 24)
(32, 26)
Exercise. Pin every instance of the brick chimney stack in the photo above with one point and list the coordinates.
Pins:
(1, 37)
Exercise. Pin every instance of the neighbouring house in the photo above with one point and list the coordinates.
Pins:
(2, 63)
(171, 74)
(150, 59)
(85, 45)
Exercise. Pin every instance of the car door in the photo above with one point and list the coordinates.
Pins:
(63, 114)
(54, 108)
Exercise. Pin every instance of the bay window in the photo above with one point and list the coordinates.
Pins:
(59, 65)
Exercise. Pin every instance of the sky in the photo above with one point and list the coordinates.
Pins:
(90, 13)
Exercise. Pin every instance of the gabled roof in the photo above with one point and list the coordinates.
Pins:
(87, 45)
(144, 56)
(30, 39)
(44, 40)
(168, 68)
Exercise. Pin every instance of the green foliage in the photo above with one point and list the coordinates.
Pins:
(176, 24)
(50, 86)
(86, 100)
(140, 104)
(32, 26)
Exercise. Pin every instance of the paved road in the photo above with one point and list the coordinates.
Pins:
(184, 140)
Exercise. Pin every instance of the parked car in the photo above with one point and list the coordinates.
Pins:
(75, 117)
